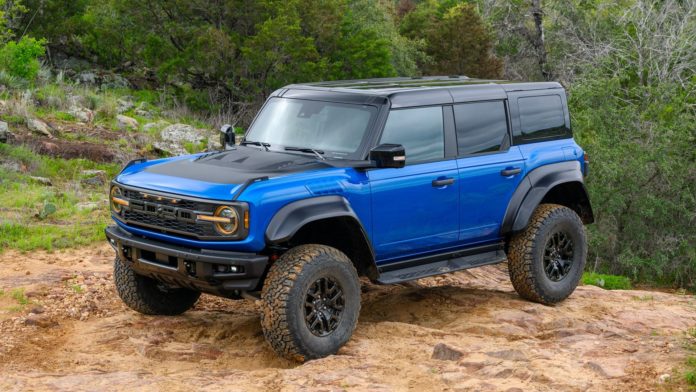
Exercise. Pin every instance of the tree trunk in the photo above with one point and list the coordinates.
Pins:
(537, 40)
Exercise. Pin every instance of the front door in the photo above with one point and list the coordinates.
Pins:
(415, 209)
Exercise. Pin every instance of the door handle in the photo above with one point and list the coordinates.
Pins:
(510, 172)
(443, 182)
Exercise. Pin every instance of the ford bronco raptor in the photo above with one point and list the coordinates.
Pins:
(389, 179)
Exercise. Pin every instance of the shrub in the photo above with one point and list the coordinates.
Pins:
(21, 59)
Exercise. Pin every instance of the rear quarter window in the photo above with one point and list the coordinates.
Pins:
(541, 118)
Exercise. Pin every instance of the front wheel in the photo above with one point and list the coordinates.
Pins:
(310, 302)
(149, 296)
(547, 259)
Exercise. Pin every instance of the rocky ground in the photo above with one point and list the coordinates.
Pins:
(466, 331)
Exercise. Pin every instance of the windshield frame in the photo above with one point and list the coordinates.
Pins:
(359, 154)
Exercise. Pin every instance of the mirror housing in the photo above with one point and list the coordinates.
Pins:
(388, 155)
(227, 136)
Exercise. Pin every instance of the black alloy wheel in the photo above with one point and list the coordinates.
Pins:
(324, 306)
(558, 256)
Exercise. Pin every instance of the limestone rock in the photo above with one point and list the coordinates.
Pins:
(38, 126)
(125, 122)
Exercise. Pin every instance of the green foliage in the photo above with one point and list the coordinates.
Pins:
(60, 222)
(458, 41)
(47, 210)
(640, 140)
(10, 13)
(21, 59)
(690, 375)
(609, 282)
(19, 296)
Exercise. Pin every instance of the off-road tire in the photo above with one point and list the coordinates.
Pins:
(283, 301)
(148, 296)
(526, 254)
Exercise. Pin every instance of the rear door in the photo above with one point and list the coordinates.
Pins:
(415, 209)
(489, 168)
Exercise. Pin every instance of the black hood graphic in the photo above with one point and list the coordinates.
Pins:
(237, 165)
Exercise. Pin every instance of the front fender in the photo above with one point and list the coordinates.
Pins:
(291, 217)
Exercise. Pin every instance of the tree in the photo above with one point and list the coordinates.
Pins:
(457, 40)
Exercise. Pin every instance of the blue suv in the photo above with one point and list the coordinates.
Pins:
(389, 179)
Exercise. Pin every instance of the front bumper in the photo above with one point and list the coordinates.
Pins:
(204, 270)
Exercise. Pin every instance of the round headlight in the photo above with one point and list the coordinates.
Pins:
(227, 228)
(115, 198)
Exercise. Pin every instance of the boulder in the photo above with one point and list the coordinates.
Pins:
(444, 352)
(82, 114)
(214, 144)
(93, 177)
(87, 206)
(4, 132)
(42, 180)
(174, 137)
(87, 77)
(157, 124)
(124, 105)
(125, 122)
(38, 126)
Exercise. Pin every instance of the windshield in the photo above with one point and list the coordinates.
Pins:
(335, 129)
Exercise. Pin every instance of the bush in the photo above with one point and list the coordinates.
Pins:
(640, 140)
(21, 59)
(609, 282)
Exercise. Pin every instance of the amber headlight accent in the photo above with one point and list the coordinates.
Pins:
(226, 220)
(117, 200)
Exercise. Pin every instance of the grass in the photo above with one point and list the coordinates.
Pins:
(77, 288)
(608, 282)
(690, 374)
(19, 296)
(22, 224)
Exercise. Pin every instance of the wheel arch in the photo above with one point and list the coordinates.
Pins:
(325, 220)
(560, 183)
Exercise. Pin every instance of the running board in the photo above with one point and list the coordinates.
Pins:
(442, 267)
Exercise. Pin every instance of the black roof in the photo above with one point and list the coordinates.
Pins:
(414, 91)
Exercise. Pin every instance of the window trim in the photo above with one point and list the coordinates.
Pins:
(445, 131)
(507, 139)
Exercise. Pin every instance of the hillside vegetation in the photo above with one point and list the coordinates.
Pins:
(79, 67)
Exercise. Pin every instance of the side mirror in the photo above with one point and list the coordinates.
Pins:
(227, 136)
(388, 155)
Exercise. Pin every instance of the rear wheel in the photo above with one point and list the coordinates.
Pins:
(546, 260)
(311, 302)
(149, 296)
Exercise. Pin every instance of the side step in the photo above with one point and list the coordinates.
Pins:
(442, 267)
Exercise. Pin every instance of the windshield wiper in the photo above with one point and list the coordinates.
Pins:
(318, 153)
(262, 144)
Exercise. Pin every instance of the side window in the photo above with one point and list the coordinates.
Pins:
(419, 130)
(481, 126)
(541, 118)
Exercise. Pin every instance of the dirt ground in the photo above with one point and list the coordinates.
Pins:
(461, 332)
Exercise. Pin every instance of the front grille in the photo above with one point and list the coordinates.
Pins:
(167, 224)
(168, 214)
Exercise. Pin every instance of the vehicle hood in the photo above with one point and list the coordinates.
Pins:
(215, 175)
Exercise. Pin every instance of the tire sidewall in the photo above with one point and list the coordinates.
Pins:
(319, 346)
(574, 228)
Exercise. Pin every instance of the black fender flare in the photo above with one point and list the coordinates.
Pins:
(531, 191)
(291, 217)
